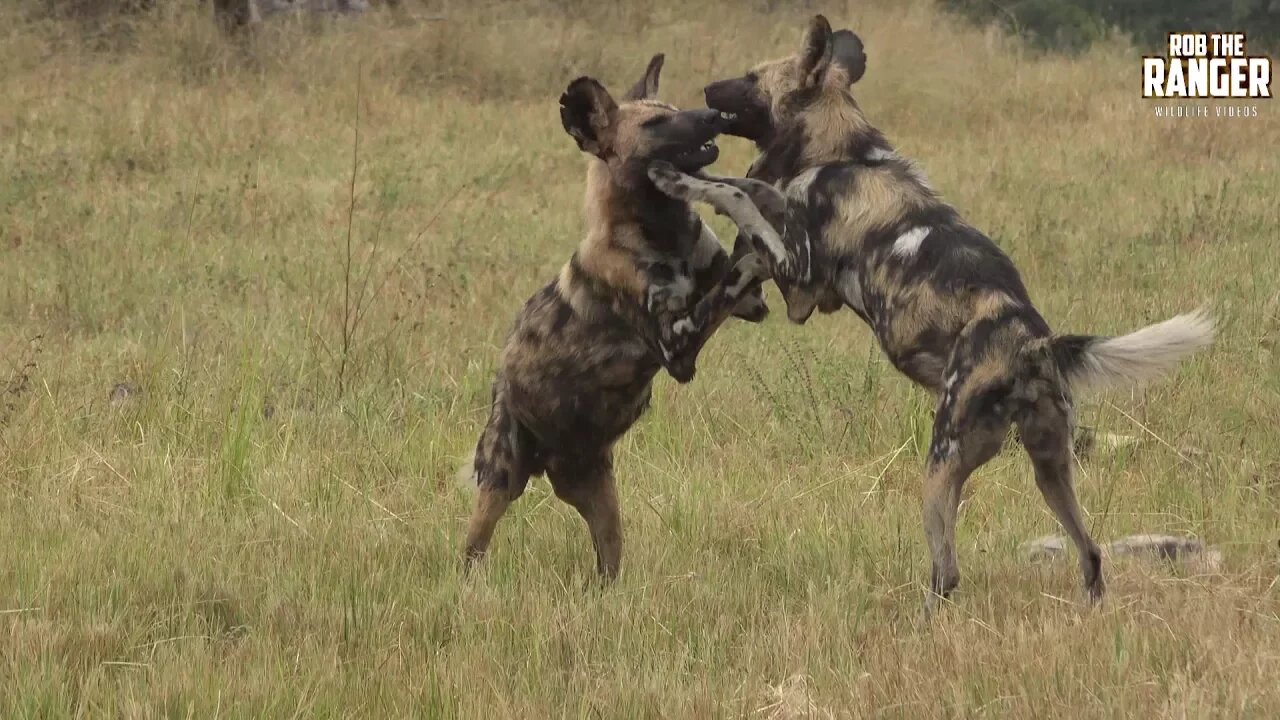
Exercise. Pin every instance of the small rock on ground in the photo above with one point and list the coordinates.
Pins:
(1166, 547)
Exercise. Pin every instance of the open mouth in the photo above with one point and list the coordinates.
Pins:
(697, 158)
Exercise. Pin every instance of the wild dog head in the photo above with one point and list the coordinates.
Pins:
(802, 298)
(630, 134)
(773, 96)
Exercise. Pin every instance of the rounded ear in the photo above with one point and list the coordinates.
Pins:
(647, 88)
(816, 55)
(847, 54)
(586, 111)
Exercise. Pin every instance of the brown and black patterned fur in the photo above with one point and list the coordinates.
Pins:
(866, 231)
(647, 286)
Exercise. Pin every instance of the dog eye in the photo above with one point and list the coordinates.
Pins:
(655, 121)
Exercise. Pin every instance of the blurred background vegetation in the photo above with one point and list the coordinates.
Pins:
(1054, 25)
(1072, 25)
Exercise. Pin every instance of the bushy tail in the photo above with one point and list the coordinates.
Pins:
(466, 473)
(505, 455)
(1095, 363)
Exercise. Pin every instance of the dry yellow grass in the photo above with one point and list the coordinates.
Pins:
(232, 537)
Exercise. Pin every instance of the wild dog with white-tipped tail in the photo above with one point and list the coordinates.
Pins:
(862, 229)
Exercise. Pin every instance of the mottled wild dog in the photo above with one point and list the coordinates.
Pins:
(947, 306)
(647, 286)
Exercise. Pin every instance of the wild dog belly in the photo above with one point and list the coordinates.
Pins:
(915, 331)
(926, 277)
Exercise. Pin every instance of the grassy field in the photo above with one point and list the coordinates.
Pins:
(251, 301)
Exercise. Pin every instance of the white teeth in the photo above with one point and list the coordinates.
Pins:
(728, 116)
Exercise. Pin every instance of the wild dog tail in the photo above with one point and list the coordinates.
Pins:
(465, 475)
(505, 455)
(1090, 362)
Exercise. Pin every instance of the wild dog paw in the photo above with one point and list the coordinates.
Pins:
(668, 179)
(752, 308)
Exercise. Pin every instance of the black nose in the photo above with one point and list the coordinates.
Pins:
(711, 119)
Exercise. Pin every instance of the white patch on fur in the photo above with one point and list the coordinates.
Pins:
(798, 188)
(1142, 355)
(681, 288)
(683, 326)
(673, 296)
(908, 243)
(879, 154)
(850, 288)
(951, 380)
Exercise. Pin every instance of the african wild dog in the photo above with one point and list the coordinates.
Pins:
(645, 289)
(866, 231)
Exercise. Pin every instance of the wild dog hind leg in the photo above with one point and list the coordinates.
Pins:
(500, 470)
(587, 484)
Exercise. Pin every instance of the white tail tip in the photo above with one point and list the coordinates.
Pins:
(465, 475)
(1144, 354)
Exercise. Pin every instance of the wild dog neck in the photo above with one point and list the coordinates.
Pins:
(619, 197)
(827, 128)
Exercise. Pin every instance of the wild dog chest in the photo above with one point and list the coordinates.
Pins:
(814, 234)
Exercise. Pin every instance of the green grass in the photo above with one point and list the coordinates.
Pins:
(243, 538)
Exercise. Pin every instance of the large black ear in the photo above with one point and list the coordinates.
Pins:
(587, 111)
(647, 88)
(848, 55)
(816, 53)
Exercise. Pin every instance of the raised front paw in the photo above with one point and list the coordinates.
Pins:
(669, 180)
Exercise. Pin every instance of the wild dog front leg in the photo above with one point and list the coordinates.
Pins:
(768, 200)
(681, 330)
(714, 308)
(708, 262)
(727, 200)
(737, 200)
(777, 211)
